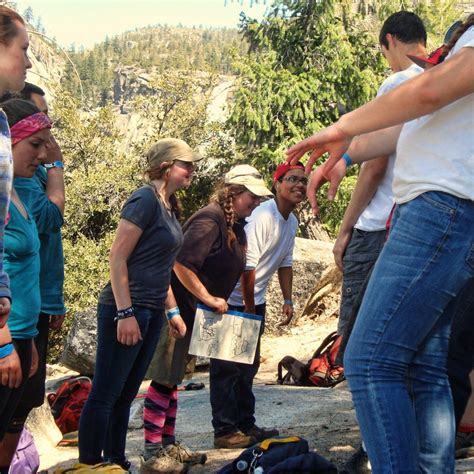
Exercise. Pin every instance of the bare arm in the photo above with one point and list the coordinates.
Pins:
(126, 238)
(194, 285)
(424, 94)
(370, 176)
(176, 324)
(10, 367)
(248, 290)
(419, 96)
(55, 184)
(285, 278)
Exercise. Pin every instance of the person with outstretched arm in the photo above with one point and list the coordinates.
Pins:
(395, 361)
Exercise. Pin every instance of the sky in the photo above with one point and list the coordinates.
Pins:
(86, 22)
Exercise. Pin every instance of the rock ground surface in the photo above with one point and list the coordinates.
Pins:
(325, 417)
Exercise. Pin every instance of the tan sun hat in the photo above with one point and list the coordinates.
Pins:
(171, 149)
(249, 177)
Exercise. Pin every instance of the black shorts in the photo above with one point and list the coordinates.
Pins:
(10, 397)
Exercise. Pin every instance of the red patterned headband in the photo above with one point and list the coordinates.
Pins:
(28, 126)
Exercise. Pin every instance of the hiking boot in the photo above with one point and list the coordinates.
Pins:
(182, 453)
(358, 463)
(464, 444)
(234, 441)
(260, 433)
(163, 464)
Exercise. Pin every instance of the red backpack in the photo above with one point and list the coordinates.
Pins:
(67, 402)
(320, 371)
(322, 368)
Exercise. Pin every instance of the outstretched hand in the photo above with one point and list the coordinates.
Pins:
(322, 175)
(330, 140)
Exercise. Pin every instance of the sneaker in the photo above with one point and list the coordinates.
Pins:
(260, 433)
(163, 464)
(464, 444)
(358, 463)
(183, 454)
(234, 441)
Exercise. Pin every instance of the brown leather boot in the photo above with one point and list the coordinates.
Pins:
(234, 441)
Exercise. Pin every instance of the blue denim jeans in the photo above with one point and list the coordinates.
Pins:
(395, 361)
(119, 371)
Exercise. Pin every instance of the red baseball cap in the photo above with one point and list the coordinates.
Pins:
(284, 168)
(433, 58)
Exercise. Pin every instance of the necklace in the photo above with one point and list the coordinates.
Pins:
(161, 198)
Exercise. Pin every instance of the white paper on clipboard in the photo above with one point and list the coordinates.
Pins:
(232, 336)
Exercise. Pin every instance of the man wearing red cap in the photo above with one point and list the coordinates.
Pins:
(271, 231)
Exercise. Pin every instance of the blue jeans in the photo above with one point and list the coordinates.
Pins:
(395, 360)
(119, 371)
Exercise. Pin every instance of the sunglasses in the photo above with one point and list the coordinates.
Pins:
(296, 179)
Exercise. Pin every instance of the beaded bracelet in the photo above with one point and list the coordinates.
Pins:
(171, 313)
(6, 350)
(125, 313)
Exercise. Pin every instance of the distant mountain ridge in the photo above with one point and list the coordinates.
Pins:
(151, 49)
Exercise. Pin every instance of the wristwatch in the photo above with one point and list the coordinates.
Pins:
(54, 164)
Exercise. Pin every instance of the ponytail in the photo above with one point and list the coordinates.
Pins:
(456, 35)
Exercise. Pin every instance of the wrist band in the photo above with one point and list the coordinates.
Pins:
(347, 159)
(171, 313)
(125, 313)
(6, 350)
(289, 302)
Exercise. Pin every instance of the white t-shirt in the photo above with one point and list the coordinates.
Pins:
(270, 243)
(375, 215)
(436, 152)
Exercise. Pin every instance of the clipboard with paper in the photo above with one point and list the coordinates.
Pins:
(232, 336)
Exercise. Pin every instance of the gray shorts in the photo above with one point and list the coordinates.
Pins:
(168, 366)
(361, 255)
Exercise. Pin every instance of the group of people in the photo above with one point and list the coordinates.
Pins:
(402, 289)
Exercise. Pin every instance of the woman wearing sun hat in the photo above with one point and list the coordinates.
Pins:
(131, 306)
(207, 268)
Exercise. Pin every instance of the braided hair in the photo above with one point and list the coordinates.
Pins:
(223, 196)
(456, 35)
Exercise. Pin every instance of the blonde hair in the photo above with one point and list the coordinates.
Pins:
(160, 172)
(223, 196)
(8, 29)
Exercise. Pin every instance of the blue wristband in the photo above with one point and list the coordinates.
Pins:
(347, 159)
(171, 313)
(6, 350)
(289, 302)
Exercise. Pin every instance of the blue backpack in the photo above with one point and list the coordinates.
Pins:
(279, 455)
